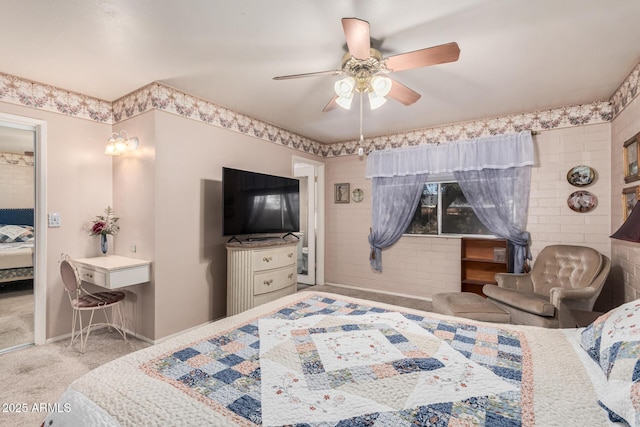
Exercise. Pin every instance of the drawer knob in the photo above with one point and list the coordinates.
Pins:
(290, 275)
(88, 275)
(267, 259)
(268, 282)
(290, 254)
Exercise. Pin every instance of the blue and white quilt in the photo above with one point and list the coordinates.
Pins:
(316, 359)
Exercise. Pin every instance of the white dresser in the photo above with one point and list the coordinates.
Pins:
(259, 272)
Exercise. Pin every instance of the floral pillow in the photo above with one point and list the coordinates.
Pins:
(613, 341)
(16, 233)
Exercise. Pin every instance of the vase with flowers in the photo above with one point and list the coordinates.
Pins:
(103, 225)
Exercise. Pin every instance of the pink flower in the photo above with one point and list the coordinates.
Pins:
(98, 227)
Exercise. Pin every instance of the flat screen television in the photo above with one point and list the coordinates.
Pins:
(256, 203)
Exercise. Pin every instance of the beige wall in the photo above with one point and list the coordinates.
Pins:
(78, 187)
(134, 202)
(422, 266)
(170, 202)
(625, 255)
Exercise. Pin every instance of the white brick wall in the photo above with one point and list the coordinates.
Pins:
(16, 186)
(625, 256)
(551, 221)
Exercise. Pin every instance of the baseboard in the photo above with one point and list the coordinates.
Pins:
(339, 285)
(97, 328)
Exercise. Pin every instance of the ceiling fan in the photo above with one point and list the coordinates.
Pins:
(366, 70)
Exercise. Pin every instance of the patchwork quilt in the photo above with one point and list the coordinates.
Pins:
(317, 359)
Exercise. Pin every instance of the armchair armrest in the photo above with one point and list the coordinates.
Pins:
(558, 294)
(520, 282)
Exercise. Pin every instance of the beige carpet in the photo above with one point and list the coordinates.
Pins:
(39, 374)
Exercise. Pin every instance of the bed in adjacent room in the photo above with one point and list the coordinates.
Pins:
(318, 359)
(16, 244)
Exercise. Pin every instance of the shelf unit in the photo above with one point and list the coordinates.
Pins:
(481, 259)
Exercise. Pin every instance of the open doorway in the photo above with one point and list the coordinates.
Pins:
(17, 234)
(311, 246)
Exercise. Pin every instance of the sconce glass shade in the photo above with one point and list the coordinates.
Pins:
(630, 229)
(119, 143)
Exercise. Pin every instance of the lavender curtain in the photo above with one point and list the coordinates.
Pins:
(394, 200)
(500, 200)
(493, 173)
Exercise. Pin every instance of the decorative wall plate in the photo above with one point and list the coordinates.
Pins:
(582, 201)
(581, 175)
(357, 195)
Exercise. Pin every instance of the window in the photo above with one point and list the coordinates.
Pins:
(443, 209)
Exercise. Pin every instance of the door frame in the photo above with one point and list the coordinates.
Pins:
(40, 255)
(320, 204)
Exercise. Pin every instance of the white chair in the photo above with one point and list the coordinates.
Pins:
(81, 300)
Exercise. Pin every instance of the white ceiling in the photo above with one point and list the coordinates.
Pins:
(516, 55)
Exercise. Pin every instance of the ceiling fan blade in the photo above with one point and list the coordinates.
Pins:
(319, 73)
(403, 94)
(421, 58)
(356, 31)
(331, 104)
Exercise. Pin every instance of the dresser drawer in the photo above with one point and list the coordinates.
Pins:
(274, 258)
(274, 280)
(92, 276)
(264, 298)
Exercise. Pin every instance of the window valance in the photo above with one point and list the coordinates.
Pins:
(492, 152)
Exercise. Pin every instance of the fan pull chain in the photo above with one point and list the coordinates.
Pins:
(360, 148)
(361, 137)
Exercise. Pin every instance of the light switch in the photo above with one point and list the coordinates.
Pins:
(54, 220)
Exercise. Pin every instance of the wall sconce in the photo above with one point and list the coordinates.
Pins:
(119, 143)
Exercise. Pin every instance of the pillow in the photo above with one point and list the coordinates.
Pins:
(613, 341)
(16, 233)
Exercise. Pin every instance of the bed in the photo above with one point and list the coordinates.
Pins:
(16, 244)
(319, 359)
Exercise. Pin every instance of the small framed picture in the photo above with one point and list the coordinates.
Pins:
(630, 197)
(342, 193)
(582, 201)
(631, 152)
(580, 176)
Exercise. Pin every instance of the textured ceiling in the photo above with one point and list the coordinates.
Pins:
(516, 55)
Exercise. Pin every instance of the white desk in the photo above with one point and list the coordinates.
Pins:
(113, 271)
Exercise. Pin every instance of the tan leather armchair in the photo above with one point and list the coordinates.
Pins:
(563, 277)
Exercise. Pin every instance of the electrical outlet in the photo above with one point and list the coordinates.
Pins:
(54, 220)
(132, 248)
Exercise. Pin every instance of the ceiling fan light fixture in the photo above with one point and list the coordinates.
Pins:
(345, 101)
(344, 87)
(381, 85)
(376, 101)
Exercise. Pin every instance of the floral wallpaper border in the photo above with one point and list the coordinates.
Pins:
(159, 96)
(17, 90)
(162, 97)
